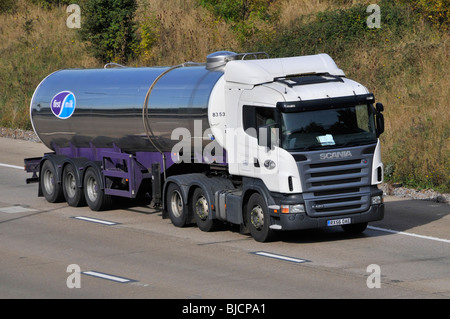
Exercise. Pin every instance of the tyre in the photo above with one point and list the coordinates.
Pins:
(258, 219)
(95, 197)
(177, 210)
(73, 194)
(355, 229)
(51, 189)
(201, 211)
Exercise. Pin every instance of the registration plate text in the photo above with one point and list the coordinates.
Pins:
(337, 222)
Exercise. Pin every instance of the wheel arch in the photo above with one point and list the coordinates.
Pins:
(57, 161)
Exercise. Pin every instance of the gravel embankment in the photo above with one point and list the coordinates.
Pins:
(388, 189)
(19, 134)
(425, 194)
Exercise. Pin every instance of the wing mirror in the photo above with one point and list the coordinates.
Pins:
(379, 118)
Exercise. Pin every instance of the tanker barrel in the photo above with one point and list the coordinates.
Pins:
(104, 107)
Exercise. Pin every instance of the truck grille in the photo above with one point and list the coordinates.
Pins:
(336, 187)
(332, 175)
(340, 205)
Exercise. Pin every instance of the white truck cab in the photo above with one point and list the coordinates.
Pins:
(307, 135)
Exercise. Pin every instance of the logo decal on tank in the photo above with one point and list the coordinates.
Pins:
(63, 104)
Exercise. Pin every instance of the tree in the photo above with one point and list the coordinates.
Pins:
(109, 28)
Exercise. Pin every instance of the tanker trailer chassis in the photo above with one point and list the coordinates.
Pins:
(93, 177)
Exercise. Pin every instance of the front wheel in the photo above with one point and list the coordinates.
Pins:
(258, 219)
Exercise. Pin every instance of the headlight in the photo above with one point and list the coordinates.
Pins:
(293, 209)
(300, 208)
(376, 200)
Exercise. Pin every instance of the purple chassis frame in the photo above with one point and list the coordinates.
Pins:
(115, 164)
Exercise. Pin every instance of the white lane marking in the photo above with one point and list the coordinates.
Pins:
(94, 220)
(408, 234)
(106, 276)
(16, 210)
(12, 166)
(281, 257)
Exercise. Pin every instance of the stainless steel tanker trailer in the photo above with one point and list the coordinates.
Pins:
(267, 144)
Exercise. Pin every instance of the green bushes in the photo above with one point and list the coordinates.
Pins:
(48, 4)
(251, 20)
(238, 10)
(435, 11)
(109, 28)
(149, 28)
(337, 31)
(7, 6)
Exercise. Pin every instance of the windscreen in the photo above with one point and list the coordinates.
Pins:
(328, 128)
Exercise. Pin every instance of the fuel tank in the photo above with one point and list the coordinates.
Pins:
(110, 107)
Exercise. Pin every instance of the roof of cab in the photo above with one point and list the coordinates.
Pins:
(260, 71)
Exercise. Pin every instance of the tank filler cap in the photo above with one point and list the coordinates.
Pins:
(216, 61)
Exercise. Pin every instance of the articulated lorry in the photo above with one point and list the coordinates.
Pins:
(267, 144)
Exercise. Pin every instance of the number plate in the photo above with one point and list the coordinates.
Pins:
(337, 222)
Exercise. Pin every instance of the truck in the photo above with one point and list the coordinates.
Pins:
(269, 144)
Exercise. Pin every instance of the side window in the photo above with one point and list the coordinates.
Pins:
(248, 117)
(257, 116)
(365, 117)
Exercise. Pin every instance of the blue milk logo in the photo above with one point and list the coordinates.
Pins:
(63, 104)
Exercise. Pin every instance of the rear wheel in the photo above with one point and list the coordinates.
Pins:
(72, 192)
(258, 219)
(51, 189)
(95, 196)
(177, 210)
(200, 207)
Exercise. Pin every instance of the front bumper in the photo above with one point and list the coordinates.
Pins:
(302, 221)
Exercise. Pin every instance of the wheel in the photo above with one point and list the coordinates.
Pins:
(258, 219)
(73, 194)
(200, 208)
(177, 210)
(355, 228)
(95, 196)
(51, 189)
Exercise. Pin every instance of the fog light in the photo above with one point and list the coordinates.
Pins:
(376, 200)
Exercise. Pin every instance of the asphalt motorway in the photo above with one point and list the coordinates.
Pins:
(58, 252)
